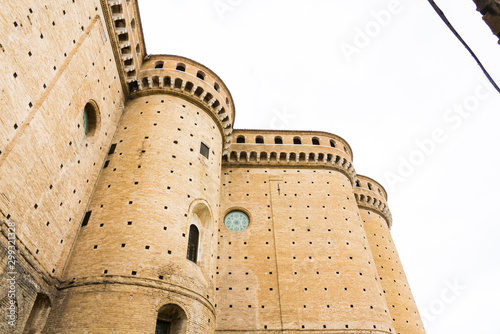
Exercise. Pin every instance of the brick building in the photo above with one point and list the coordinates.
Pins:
(135, 207)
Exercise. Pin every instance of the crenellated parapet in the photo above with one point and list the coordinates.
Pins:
(372, 196)
(291, 148)
(180, 76)
(125, 30)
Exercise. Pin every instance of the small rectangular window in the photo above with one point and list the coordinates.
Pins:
(204, 150)
(86, 218)
(112, 149)
(106, 164)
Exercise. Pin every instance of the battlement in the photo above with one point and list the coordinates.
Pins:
(371, 195)
(124, 23)
(180, 76)
(292, 148)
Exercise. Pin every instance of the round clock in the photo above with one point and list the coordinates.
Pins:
(236, 221)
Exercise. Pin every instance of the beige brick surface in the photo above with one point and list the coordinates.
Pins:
(316, 257)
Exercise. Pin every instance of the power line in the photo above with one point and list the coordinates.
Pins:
(443, 17)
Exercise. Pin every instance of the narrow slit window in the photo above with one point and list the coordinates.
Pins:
(86, 218)
(194, 236)
(204, 150)
(112, 149)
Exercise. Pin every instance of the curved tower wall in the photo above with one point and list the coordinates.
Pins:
(377, 221)
(130, 258)
(303, 263)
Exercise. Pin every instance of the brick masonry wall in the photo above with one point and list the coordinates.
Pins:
(55, 58)
(303, 263)
(130, 308)
(153, 187)
(402, 307)
(27, 283)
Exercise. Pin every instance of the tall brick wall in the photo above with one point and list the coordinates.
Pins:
(400, 301)
(304, 263)
(153, 187)
(55, 58)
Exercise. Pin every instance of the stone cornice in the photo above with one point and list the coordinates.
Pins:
(286, 156)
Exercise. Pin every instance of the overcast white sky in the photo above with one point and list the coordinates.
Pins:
(385, 84)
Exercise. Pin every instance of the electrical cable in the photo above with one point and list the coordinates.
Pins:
(443, 17)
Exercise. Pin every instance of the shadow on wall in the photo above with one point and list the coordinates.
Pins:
(38, 316)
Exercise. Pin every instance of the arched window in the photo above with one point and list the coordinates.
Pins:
(259, 140)
(90, 119)
(240, 139)
(181, 67)
(297, 141)
(159, 64)
(332, 143)
(216, 86)
(315, 141)
(171, 320)
(278, 140)
(357, 184)
(200, 75)
(38, 315)
(193, 241)
(369, 186)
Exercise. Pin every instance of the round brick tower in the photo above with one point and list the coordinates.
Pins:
(144, 257)
(377, 221)
(303, 264)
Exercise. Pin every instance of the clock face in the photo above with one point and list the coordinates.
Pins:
(236, 221)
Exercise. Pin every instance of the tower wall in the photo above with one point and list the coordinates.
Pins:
(304, 263)
(56, 57)
(377, 222)
(156, 184)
